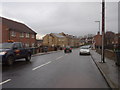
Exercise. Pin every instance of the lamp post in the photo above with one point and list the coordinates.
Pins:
(103, 30)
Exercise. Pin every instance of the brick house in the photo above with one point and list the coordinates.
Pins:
(97, 41)
(117, 39)
(19, 32)
(86, 40)
(111, 39)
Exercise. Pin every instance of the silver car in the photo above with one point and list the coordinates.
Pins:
(84, 50)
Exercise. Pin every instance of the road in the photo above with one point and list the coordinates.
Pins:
(55, 70)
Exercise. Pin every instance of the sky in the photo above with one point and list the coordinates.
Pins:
(75, 18)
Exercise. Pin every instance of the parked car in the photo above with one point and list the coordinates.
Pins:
(84, 50)
(11, 51)
(67, 49)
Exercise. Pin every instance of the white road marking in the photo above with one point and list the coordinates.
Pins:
(41, 65)
(58, 57)
(66, 54)
(5, 81)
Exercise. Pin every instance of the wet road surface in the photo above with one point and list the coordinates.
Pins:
(55, 70)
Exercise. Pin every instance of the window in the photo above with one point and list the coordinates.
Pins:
(33, 44)
(63, 40)
(59, 39)
(17, 45)
(13, 33)
(21, 34)
(26, 45)
(33, 36)
(5, 45)
(27, 35)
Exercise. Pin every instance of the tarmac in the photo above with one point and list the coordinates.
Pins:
(44, 53)
(109, 70)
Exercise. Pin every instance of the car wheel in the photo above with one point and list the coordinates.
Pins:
(10, 60)
(65, 51)
(28, 57)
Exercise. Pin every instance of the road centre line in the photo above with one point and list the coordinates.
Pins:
(41, 65)
(58, 57)
(5, 81)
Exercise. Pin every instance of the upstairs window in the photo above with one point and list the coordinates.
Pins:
(27, 35)
(21, 34)
(33, 36)
(13, 33)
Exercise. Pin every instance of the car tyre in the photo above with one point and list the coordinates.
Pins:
(28, 58)
(10, 60)
(79, 53)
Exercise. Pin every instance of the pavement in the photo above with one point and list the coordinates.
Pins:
(55, 70)
(108, 69)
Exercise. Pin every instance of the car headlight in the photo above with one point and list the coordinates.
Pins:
(3, 53)
(87, 51)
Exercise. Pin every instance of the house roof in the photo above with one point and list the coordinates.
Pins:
(16, 26)
(68, 36)
(57, 35)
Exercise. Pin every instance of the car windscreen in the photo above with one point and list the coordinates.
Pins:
(5, 45)
(67, 46)
(85, 47)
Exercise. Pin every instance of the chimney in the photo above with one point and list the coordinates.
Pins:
(98, 33)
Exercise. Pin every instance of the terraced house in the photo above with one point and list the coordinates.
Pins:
(60, 39)
(71, 40)
(18, 32)
(54, 39)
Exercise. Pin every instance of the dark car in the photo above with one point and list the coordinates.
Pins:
(67, 49)
(11, 51)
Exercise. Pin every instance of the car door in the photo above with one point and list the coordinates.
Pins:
(22, 50)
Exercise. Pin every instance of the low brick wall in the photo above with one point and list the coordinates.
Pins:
(40, 50)
(108, 53)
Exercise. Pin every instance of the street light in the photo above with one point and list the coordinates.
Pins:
(103, 30)
(99, 24)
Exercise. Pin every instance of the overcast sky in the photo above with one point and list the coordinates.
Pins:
(75, 18)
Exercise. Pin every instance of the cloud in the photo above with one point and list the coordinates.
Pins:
(75, 18)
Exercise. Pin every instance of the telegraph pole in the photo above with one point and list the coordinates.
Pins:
(103, 30)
